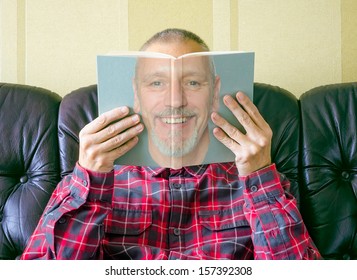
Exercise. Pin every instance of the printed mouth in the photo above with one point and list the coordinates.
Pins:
(175, 120)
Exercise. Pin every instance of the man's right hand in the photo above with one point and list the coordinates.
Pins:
(108, 137)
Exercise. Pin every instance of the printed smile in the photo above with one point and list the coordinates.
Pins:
(174, 120)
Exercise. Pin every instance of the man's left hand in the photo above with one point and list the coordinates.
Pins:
(252, 149)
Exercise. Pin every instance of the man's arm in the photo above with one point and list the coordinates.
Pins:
(278, 231)
(71, 226)
(277, 226)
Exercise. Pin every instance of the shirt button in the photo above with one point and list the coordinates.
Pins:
(176, 185)
(177, 231)
(62, 220)
(85, 183)
(253, 188)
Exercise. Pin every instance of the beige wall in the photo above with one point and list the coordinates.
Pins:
(349, 40)
(57, 41)
(148, 17)
(298, 44)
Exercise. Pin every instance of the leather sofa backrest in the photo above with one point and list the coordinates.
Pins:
(329, 168)
(29, 161)
(278, 106)
(280, 109)
(77, 109)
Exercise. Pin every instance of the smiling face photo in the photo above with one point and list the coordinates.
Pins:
(175, 99)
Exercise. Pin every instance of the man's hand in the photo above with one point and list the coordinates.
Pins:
(252, 149)
(108, 137)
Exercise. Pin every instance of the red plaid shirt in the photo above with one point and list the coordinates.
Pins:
(201, 212)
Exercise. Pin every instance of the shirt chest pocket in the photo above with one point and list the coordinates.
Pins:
(225, 233)
(223, 219)
(128, 221)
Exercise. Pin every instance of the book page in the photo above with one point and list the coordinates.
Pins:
(174, 98)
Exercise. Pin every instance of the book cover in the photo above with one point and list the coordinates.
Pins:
(174, 98)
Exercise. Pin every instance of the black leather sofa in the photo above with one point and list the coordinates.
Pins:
(314, 143)
(29, 161)
(328, 162)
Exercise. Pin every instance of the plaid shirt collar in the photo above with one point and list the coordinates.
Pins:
(196, 171)
(163, 172)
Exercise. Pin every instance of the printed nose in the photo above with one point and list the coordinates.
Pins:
(176, 97)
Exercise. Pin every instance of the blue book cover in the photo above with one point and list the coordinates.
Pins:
(174, 98)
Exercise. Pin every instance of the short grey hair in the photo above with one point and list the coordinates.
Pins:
(175, 34)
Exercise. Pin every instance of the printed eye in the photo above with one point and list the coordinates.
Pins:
(156, 84)
(193, 83)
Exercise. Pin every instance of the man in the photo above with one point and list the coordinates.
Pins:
(176, 99)
(238, 210)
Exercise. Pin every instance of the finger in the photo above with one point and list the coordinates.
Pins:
(228, 129)
(105, 119)
(122, 138)
(123, 149)
(226, 140)
(241, 115)
(96, 160)
(114, 129)
(252, 110)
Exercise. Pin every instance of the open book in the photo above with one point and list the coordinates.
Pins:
(174, 98)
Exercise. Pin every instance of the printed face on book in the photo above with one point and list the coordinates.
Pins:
(175, 99)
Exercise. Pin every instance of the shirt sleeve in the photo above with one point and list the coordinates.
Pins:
(63, 231)
(278, 231)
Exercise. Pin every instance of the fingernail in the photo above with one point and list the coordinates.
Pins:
(227, 98)
(139, 127)
(214, 115)
(135, 118)
(240, 95)
(123, 109)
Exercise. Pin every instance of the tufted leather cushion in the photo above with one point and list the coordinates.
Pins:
(278, 106)
(329, 168)
(29, 169)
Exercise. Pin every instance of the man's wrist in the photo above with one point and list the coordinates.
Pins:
(99, 184)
